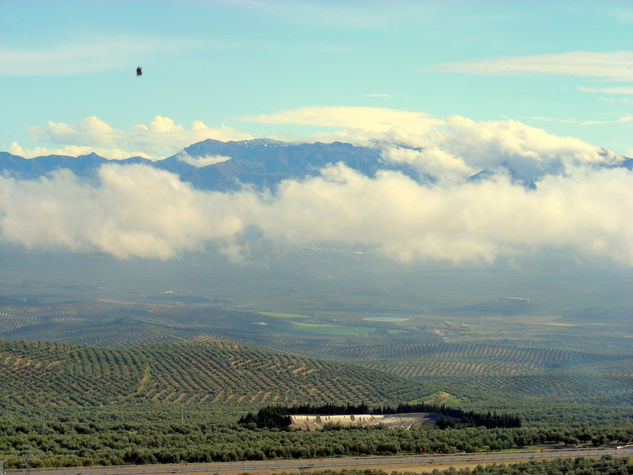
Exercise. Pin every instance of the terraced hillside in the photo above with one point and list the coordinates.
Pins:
(460, 358)
(600, 374)
(58, 374)
(537, 358)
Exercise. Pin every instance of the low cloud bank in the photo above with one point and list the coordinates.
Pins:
(138, 211)
(577, 196)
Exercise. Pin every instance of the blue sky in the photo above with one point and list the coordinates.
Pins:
(563, 66)
(518, 88)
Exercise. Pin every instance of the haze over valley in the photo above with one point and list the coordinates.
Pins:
(407, 225)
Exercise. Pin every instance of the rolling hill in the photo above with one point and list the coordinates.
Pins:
(207, 353)
(210, 371)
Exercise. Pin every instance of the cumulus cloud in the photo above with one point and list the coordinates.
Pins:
(615, 65)
(443, 149)
(161, 137)
(458, 222)
(71, 151)
(576, 199)
(134, 211)
(431, 161)
(448, 149)
(91, 131)
(138, 211)
(491, 142)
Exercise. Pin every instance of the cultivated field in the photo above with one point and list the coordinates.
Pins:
(516, 358)
(54, 374)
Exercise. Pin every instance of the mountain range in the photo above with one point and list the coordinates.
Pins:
(263, 163)
(216, 165)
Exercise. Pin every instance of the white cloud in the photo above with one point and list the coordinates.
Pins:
(620, 120)
(368, 126)
(91, 131)
(447, 149)
(490, 143)
(616, 65)
(582, 123)
(465, 222)
(437, 147)
(72, 151)
(201, 162)
(138, 211)
(431, 161)
(373, 119)
(135, 211)
(161, 137)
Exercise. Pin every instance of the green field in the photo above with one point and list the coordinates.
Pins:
(283, 315)
(325, 329)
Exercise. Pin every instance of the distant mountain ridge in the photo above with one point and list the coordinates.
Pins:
(263, 163)
(259, 162)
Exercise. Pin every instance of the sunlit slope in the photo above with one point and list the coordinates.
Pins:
(201, 372)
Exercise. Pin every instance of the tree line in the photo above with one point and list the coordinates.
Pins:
(279, 416)
(148, 438)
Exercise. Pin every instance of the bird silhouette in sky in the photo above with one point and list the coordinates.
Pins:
(139, 71)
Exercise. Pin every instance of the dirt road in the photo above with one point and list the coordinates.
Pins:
(419, 464)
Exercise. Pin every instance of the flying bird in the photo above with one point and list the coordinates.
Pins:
(139, 71)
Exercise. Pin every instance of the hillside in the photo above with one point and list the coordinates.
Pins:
(544, 361)
(600, 374)
(110, 323)
(216, 371)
